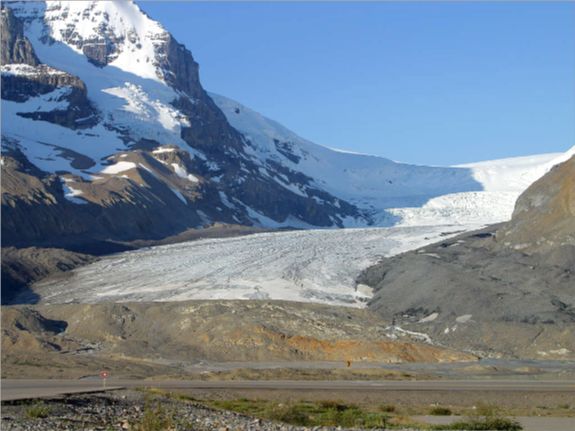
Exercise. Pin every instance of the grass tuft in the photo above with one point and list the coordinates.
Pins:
(154, 418)
(485, 418)
(491, 424)
(388, 408)
(38, 411)
(440, 411)
(310, 414)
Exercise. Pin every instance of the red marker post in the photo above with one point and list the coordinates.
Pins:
(104, 376)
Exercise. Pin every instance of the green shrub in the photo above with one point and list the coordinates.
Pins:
(485, 417)
(38, 411)
(335, 405)
(440, 411)
(311, 414)
(388, 408)
(154, 418)
(487, 424)
(291, 414)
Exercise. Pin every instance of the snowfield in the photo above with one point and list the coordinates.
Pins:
(394, 193)
(311, 266)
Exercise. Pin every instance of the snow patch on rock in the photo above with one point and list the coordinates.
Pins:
(183, 173)
(118, 167)
(464, 318)
(429, 318)
(72, 194)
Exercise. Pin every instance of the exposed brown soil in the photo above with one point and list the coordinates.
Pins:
(145, 339)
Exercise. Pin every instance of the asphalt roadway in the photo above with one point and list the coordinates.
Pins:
(16, 389)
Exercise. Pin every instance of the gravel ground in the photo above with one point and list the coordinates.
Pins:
(129, 410)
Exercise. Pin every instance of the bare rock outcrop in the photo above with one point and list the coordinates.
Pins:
(14, 46)
(508, 290)
(544, 216)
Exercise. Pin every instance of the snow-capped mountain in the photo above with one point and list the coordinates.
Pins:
(391, 192)
(108, 133)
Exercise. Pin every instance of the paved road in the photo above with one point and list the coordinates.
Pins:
(23, 389)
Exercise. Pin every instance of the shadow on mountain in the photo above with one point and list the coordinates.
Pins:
(21, 267)
(16, 293)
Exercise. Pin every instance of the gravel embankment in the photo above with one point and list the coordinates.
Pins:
(129, 410)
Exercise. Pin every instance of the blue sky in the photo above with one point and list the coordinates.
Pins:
(429, 83)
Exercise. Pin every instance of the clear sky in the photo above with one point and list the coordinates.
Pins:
(429, 83)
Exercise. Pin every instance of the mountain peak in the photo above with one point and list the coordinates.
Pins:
(115, 33)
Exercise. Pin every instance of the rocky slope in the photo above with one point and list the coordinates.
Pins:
(137, 337)
(16, 48)
(508, 289)
(20, 267)
(544, 218)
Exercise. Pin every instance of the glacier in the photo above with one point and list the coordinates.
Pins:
(308, 265)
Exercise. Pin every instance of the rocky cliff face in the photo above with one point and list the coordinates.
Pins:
(15, 47)
(24, 77)
(20, 83)
(506, 290)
